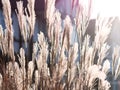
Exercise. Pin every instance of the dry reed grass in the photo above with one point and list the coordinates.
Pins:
(55, 64)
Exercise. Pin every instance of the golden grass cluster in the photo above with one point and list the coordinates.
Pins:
(55, 63)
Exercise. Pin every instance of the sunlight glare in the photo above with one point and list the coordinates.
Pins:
(106, 8)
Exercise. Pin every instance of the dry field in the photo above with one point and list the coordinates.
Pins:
(51, 58)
